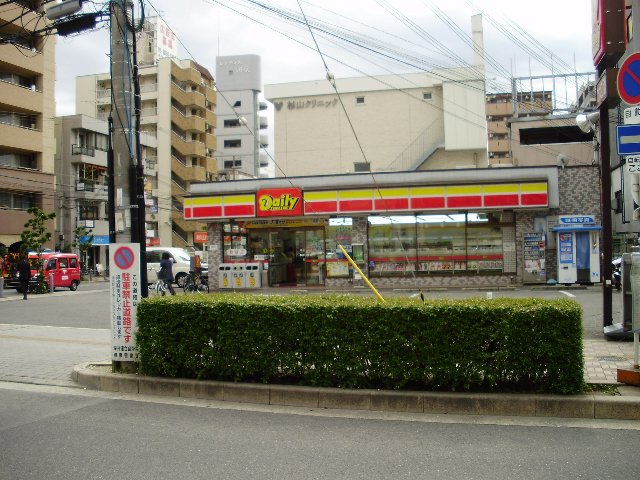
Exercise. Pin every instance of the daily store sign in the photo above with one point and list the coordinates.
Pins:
(282, 202)
(279, 202)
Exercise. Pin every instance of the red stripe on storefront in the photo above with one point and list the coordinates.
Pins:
(188, 213)
(356, 205)
(239, 211)
(510, 200)
(383, 204)
(321, 207)
(427, 202)
(466, 201)
(205, 212)
(534, 199)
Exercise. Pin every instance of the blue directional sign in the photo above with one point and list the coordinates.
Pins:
(628, 139)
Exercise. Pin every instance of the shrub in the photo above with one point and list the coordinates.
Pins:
(358, 342)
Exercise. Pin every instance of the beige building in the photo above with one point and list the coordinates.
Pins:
(418, 121)
(178, 102)
(27, 108)
(500, 108)
(81, 160)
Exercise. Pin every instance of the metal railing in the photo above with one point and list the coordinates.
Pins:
(80, 150)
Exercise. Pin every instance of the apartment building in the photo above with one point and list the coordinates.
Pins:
(27, 108)
(178, 100)
(392, 122)
(240, 122)
(500, 108)
(82, 194)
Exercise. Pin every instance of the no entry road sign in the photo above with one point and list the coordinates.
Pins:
(629, 80)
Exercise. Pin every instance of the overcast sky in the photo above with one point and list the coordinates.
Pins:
(520, 37)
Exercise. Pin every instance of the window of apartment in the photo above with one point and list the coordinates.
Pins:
(18, 201)
(88, 212)
(233, 143)
(18, 119)
(18, 160)
(232, 123)
(237, 104)
(229, 164)
(427, 95)
(359, 100)
(361, 167)
(19, 80)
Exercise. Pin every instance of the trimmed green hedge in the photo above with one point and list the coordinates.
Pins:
(357, 342)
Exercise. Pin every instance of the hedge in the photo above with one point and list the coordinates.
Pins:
(357, 342)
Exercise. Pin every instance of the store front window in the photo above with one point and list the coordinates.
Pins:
(436, 244)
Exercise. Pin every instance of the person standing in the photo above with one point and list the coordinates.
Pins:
(166, 267)
(1, 276)
(24, 270)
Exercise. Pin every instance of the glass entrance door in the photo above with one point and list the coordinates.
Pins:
(314, 260)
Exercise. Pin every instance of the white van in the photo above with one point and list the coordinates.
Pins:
(181, 263)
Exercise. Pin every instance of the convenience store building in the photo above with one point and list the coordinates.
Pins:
(418, 229)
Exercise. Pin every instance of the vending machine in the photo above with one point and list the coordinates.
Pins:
(534, 258)
(578, 241)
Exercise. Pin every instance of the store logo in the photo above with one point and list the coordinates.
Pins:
(279, 202)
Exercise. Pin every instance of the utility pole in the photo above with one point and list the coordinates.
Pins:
(122, 101)
(128, 176)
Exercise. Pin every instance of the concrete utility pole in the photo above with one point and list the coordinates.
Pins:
(128, 175)
(122, 101)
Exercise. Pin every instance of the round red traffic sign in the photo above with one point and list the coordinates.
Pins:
(629, 80)
(123, 258)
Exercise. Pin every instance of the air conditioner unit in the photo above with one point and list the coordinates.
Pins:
(491, 135)
(489, 117)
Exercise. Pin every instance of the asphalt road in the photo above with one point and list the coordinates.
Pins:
(56, 435)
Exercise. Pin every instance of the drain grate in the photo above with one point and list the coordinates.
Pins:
(612, 359)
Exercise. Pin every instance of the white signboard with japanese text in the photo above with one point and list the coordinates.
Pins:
(124, 266)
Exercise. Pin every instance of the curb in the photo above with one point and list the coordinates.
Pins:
(588, 406)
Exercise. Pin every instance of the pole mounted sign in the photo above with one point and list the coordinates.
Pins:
(628, 139)
(629, 80)
(125, 296)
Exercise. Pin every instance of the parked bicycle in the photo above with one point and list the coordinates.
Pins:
(196, 282)
(160, 287)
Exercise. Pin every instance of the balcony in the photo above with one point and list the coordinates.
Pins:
(91, 191)
(20, 138)
(498, 146)
(23, 58)
(188, 174)
(264, 160)
(211, 142)
(16, 96)
(187, 99)
(187, 75)
(187, 123)
(498, 128)
(187, 148)
(264, 123)
(500, 109)
(103, 96)
(78, 150)
(264, 141)
(211, 95)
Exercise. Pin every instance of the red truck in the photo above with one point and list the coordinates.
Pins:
(63, 268)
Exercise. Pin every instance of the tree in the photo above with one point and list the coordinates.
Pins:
(82, 240)
(33, 239)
